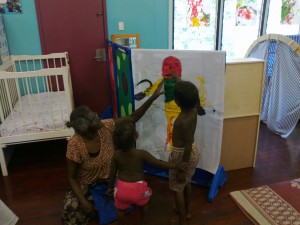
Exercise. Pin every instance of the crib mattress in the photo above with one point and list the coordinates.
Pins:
(48, 112)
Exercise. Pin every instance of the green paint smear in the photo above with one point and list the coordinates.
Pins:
(129, 108)
(123, 113)
(118, 63)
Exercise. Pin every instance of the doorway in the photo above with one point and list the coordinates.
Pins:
(79, 28)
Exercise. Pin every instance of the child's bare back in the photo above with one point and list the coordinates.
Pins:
(130, 164)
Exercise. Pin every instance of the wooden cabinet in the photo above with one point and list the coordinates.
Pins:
(242, 107)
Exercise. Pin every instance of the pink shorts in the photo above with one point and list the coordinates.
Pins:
(127, 194)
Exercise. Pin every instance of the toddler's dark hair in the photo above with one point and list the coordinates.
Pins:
(124, 135)
(186, 94)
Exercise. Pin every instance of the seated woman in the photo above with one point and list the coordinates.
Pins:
(89, 154)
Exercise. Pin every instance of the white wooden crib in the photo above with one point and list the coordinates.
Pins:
(36, 100)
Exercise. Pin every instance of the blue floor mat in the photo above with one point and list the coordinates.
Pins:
(107, 212)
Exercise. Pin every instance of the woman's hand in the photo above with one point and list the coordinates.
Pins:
(89, 208)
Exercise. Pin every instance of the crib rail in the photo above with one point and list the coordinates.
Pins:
(24, 63)
(34, 94)
(8, 66)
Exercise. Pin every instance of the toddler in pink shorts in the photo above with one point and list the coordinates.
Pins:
(131, 193)
(128, 164)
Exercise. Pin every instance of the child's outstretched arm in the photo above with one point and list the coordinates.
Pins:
(137, 114)
(147, 157)
(112, 176)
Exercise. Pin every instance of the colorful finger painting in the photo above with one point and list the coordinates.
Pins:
(246, 12)
(290, 12)
(206, 69)
(199, 13)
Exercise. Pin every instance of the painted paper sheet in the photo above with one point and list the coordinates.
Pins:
(199, 12)
(246, 12)
(290, 12)
(206, 69)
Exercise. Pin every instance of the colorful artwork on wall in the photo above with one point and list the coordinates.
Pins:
(206, 69)
(199, 13)
(246, 12)
(290, 12)
(10, 6)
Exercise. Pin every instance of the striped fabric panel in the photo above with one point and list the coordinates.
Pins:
(261, 51)
(296, 38)
(281, 101)
(271, 57)
(284, 105)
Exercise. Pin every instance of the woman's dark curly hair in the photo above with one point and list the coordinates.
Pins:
(124, 135)
(186, 94)
(79, 120)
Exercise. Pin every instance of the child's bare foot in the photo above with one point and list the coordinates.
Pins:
(188, 215)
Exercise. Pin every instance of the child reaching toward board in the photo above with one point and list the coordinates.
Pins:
(184, 150)
(128, 164)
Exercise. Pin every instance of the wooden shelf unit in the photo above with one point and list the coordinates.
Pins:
(242, 106)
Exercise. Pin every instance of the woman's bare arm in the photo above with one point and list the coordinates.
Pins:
(72, 169)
